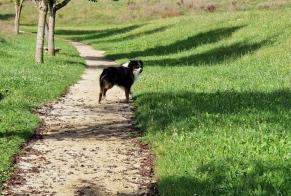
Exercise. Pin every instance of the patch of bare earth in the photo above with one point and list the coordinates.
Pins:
(6, 27)
(85, 148)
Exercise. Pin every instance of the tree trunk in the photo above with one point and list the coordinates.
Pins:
(51, 32)
(40, 35)
(46, 29)
(18, 9)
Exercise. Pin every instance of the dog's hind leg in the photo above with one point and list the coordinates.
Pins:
(100, 96)
(106, 88)
(104, 93)
(103, 89)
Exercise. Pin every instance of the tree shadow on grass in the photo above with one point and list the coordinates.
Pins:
(6, 16)
(80, 35)
(138, 35)
(214, 109)
(213, 56)
(81, 64)
(2, 41)
(23, 134)
(181, 45)
(76, 32)
(1, 96)
(220, 179)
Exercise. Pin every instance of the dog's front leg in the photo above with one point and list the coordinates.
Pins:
(127, 91)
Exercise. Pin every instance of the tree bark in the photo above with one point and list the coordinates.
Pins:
(40, 33)
(46, 29)
(51, 30)
(62, 4)
(53, 7)
(18, 8)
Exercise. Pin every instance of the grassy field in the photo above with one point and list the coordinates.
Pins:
(214, 99)
(25, 86)
(87, 13)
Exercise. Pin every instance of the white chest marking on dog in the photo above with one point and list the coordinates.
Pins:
(125, 64)
(136, 73)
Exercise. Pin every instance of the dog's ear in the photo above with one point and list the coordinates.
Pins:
(130, 64)
(141, 62)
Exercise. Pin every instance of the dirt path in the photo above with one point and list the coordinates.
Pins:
(85, 149)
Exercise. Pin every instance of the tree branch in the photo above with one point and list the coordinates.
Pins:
(36, 2)
(61, 4)
(41, 4)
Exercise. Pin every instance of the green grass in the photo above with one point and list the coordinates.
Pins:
(25, 86)
(214, 99)
(104, 12)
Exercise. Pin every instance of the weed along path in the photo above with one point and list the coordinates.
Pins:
(85, 148)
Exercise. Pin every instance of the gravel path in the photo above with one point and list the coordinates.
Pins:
(85, 148)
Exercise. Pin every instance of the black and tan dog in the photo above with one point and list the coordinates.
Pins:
(122, 76)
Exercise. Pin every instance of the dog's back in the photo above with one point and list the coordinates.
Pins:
(120, 76)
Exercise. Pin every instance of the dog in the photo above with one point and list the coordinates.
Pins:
(123, 76)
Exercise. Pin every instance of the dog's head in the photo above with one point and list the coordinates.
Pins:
(135, 65)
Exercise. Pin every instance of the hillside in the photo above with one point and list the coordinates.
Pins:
(86, 13)
(213, 101)
(214, 98)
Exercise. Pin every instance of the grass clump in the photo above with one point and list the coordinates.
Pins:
(25, 86)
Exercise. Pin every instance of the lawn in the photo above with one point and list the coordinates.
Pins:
(25, 86)
(214, 99)
(104, 12)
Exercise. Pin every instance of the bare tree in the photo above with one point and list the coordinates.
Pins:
(18, 8)
(46, 29)
(53, 6)
(42, 6)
